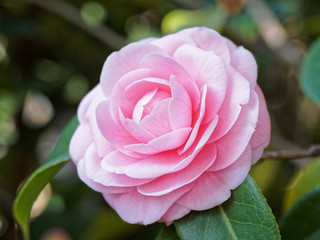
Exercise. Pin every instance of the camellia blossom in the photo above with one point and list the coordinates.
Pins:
(174, 125)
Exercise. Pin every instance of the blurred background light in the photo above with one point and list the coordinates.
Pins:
(93, 13)
(3, 46)
(37, 110)
(41, 202)
(3, 225)
(75, 88)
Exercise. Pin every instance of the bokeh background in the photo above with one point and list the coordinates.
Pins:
(51, 55)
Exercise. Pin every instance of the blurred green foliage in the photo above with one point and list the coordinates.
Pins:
(47, 64)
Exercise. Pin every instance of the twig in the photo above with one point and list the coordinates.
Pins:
(312, 151)
(72, 14)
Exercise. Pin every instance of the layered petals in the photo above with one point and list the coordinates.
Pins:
(174, 126)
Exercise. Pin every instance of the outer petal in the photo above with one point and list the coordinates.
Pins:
(79, 143)
(97, 186)
(94, 171)
(243, 61)
(176, 211)
(207, 192)
(209, 40)
(261, 137)
(171, 42)
(238, 94)
(134, 207)
(213, 188)
(236, 173)
(121, 62)
(87, 118)
(233, 144)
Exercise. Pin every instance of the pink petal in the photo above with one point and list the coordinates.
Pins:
(136, 208)
(238, 94)
(236, 173)
(207, 192)
(80, 142)
(97, 186)
(166, 142)
(233, 144)
(171, 42)
(164, 67)
(138, 109)
(155, 165)
(117, 136)
(205, 68)
(197, 124)
(120, 63)
(179, 106)
(86, 116)
(94, 171)
(170, 182)
(158, 122)
(176, 211)
(140, 89)
(261, 137)
(125, 100)
(209, 40)
(243, 61)
(149, 167)
(137, 131)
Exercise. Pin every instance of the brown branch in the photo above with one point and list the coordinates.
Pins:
(72, 14)
(312, 151)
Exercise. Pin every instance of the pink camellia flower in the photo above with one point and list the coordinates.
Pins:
(173, 126)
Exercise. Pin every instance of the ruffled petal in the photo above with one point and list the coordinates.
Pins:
(166, 142)
(200, 114)
(238, 95)
(94, 171)
(207, 192)
(158, 122)
(79, 143)
(236, 173)
(120, 63)
(170, 182)
(232, 145)
(136, 208)
(176, 211)
(179, 108)
(116, 135)
(261, 137)
(163, 67)
(205, 68)
(209, 40)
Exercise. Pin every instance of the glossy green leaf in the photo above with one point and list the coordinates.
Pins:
(167, 233)
(302, 221)
(304, 181)
(245, 215)
(40, 177)
(310, 73)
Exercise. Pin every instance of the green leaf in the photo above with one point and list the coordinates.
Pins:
(40, 177)
(302, 221)
(304, 181)
(310, 73)
(245, 215)
(167, 233)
